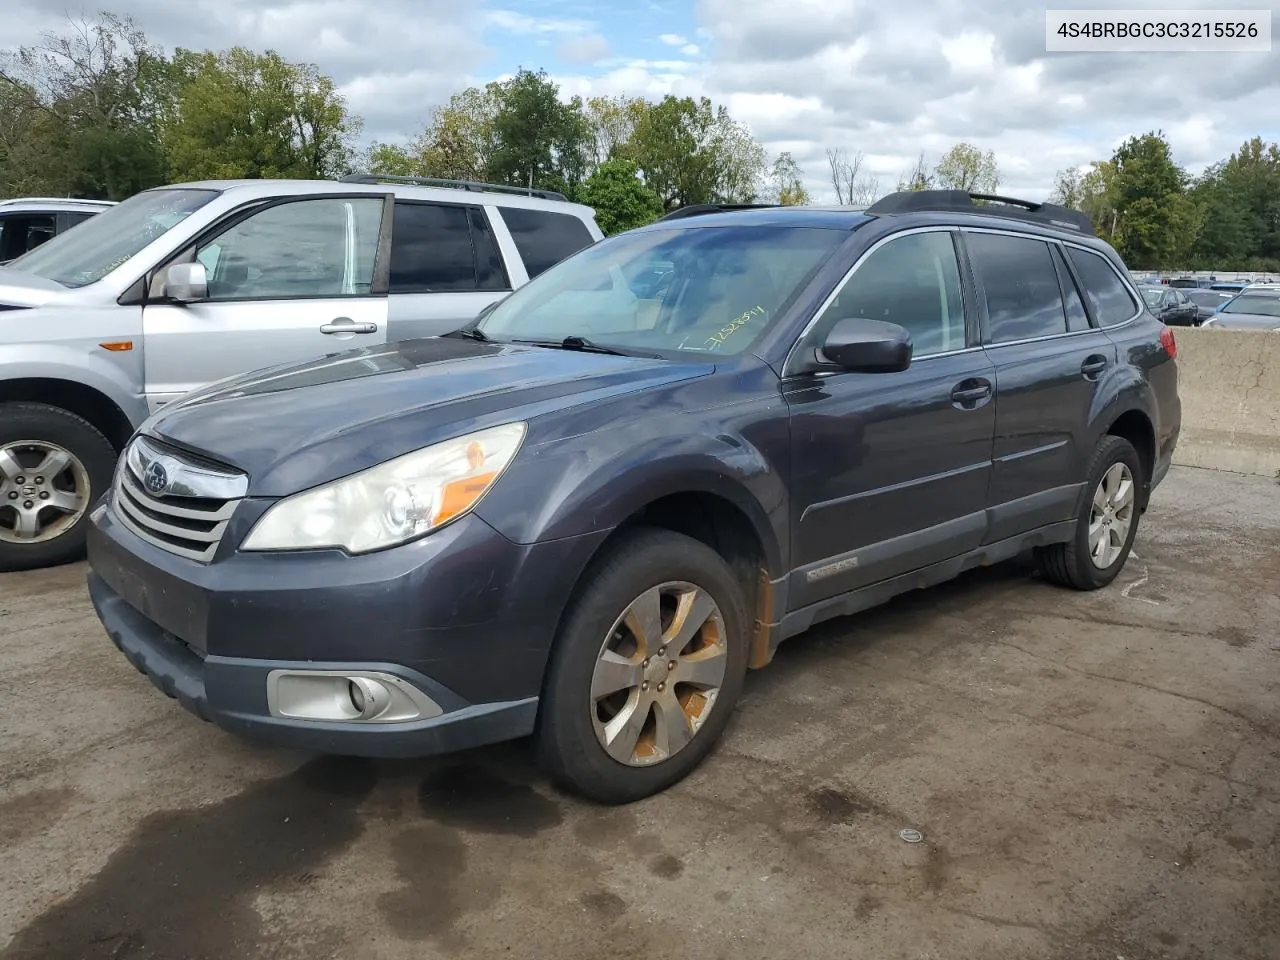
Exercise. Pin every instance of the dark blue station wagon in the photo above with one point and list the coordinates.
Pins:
(586, 514)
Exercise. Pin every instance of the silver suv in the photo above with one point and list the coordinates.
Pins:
(27, 222)
(181, 286)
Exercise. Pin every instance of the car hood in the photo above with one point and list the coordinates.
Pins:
(19, 289)
(296, 426)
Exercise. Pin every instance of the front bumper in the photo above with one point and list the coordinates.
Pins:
(464, 617)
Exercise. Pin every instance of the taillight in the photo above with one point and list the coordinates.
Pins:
(1169, 343)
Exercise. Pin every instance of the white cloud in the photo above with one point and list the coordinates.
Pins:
(691, 50)
(673, 39)
(514, 22)
(584, 49)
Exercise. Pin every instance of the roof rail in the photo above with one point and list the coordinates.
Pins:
(455, 185)
(104, 203)
(987, 204)
(698, 209)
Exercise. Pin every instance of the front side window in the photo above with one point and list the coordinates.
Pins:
(913, 281)
(690, 289)
(544, 238)
(76, 258)
(22, 232)
(301, 249)
(1107, 294)
(1020, 285)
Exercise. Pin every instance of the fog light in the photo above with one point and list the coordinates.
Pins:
(364, 696)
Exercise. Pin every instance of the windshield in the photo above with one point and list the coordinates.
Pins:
(699, 289)
(1207, 298)
(1252, 303)
(103, 242)
(1152, 296)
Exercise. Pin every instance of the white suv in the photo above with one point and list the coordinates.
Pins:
(27, 222)
(180, 286)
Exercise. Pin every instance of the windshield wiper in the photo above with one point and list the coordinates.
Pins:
(470, 333)
(575, 343)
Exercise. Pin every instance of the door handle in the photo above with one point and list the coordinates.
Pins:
(1092, 366)
(971, 391)
(345, 325)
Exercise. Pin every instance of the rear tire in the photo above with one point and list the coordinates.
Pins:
(1107, 522)
(35, 439)
(623, 717)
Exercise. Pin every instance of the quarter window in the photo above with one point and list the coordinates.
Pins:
(1108, 297)
(300, 250)
(1020, 285)
(544, 238)
(912, 281)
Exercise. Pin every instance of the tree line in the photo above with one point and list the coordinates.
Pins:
(97, 110)
(1159, 216)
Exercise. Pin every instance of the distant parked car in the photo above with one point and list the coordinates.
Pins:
(1169, 305)
(1207, 302)
(1258, 308)
(27, 222)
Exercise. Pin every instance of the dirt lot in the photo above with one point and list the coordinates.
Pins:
(1095, 776)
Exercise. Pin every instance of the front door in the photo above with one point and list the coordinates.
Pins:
(890, 470)
(1048, 362)
(291, 282)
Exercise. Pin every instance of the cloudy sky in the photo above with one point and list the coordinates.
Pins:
(886, 79)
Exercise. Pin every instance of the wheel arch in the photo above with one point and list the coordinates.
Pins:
(87, 402)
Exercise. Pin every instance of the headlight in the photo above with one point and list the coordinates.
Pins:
(393, 502)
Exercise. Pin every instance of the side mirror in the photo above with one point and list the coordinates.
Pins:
(186, 283)
(868, 346)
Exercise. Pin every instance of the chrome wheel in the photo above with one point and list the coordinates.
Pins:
(1111, 516)
(658, 674)
(44, 491)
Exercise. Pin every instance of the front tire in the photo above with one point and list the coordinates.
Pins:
(1107, 522)
(53, 466)
(647, 668)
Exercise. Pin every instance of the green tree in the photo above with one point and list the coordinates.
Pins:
(1156, 219)
(965, 167)
(538, 140)
(917, 177)
(612, 122)
(392, 160)
(459, 142)
(786, 187)
(240, 113)
(79, 111)
(690, 151)
(621, 200)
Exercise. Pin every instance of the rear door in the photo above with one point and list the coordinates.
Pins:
(445, 267)
(288, 280)
(1048, 361)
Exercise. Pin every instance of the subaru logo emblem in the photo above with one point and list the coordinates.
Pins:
(156, 478)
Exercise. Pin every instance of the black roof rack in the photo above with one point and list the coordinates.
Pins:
(989, 204)
(698, 209)
(455, 185)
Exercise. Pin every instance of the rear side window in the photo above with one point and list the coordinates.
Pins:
(1108, 296)
(431, 249)
(544, 238)
(1020, 284)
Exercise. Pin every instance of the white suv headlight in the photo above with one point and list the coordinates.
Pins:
(393, 502)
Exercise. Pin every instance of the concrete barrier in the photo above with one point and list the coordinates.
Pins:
(1229, 382)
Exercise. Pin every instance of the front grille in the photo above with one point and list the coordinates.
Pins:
(188, 512)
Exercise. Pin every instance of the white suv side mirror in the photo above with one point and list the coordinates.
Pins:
(186, 282)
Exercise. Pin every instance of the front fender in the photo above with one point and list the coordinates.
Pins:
(116, 375)
(594, 482)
